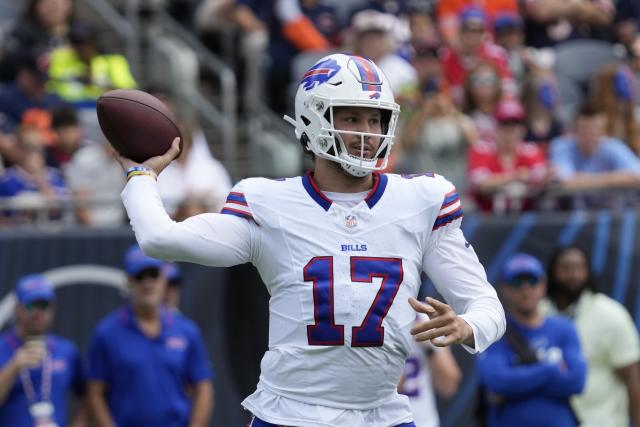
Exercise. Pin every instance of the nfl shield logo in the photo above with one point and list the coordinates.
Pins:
(350, 221)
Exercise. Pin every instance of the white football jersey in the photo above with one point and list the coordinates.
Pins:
(339, 278)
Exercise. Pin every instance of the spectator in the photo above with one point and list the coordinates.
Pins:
(421, 24)
(608, 336)
(26, 92)
(482, 93)
(196, 173)
(290, 32)
(68, 136)
(540, 99)
(475, 47)
(530, 374)
(95, 179)
(43, 27)
(505, 176)
(448, 14)
(428, 368)
(148, 365)
(437, 138)
(550, 22)
(509, 35)
(591, 160)
(38, 369)
(30, 182)
(80, 73)
(627, 21)
(376, 39)
(615, 93)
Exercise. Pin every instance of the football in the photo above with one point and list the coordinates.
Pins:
(138, 125)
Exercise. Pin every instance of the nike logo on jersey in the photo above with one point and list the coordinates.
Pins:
(354, 248)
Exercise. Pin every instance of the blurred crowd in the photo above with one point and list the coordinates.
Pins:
(55, 165)
(522, 104)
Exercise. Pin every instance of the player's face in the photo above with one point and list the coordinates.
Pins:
(359, 119)
(571, 271)
(147, 288)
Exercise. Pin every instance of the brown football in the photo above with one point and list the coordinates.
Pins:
(138, 125)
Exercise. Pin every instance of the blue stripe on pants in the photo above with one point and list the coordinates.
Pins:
(257, 422)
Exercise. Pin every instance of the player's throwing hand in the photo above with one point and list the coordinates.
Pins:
(157, 163)
(444, 326)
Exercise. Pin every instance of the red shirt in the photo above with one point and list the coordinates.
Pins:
(485, 162)
(455, 67)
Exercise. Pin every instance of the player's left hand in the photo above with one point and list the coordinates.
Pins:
(444, 326)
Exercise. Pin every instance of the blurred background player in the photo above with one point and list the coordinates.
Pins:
(346, 116)
(38, 369)
(608, 336)
(530, 374)
(147, 364)
(427, 369)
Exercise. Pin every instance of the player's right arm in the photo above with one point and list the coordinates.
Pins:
(208, 239)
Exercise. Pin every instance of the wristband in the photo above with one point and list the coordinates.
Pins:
(140, 171)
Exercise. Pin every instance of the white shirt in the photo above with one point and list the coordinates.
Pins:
(339, 280)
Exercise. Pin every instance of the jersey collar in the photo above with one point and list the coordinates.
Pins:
(379, 185)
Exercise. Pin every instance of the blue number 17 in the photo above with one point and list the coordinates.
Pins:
(370, 333)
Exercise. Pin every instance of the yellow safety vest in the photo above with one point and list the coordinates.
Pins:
(67, 74)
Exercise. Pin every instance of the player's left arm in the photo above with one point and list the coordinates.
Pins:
(473, 315)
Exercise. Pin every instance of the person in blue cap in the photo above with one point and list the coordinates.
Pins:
(38, 369)
(530, 374)
(148, 365)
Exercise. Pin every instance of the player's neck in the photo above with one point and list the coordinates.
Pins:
(329, 176)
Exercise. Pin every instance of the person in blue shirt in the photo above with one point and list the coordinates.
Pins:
(38, 369)
(147, 364)
(529, 375)
(590, 160)
(26, 92)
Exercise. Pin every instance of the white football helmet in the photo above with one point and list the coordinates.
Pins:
(341, 80)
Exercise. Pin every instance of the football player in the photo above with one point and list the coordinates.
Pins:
(341, 250)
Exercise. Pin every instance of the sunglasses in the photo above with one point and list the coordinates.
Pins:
(151, 273)
(38, 305)
(523, 279)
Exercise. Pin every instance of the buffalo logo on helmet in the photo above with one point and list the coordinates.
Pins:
(320, 73)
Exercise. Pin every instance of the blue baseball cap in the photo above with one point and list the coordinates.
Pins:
(522, 265)
(34, 287)
(136, 261)
(172, 272)
(472, 15)
(507, 21)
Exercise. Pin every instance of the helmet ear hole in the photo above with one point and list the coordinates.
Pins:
(306, 122)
